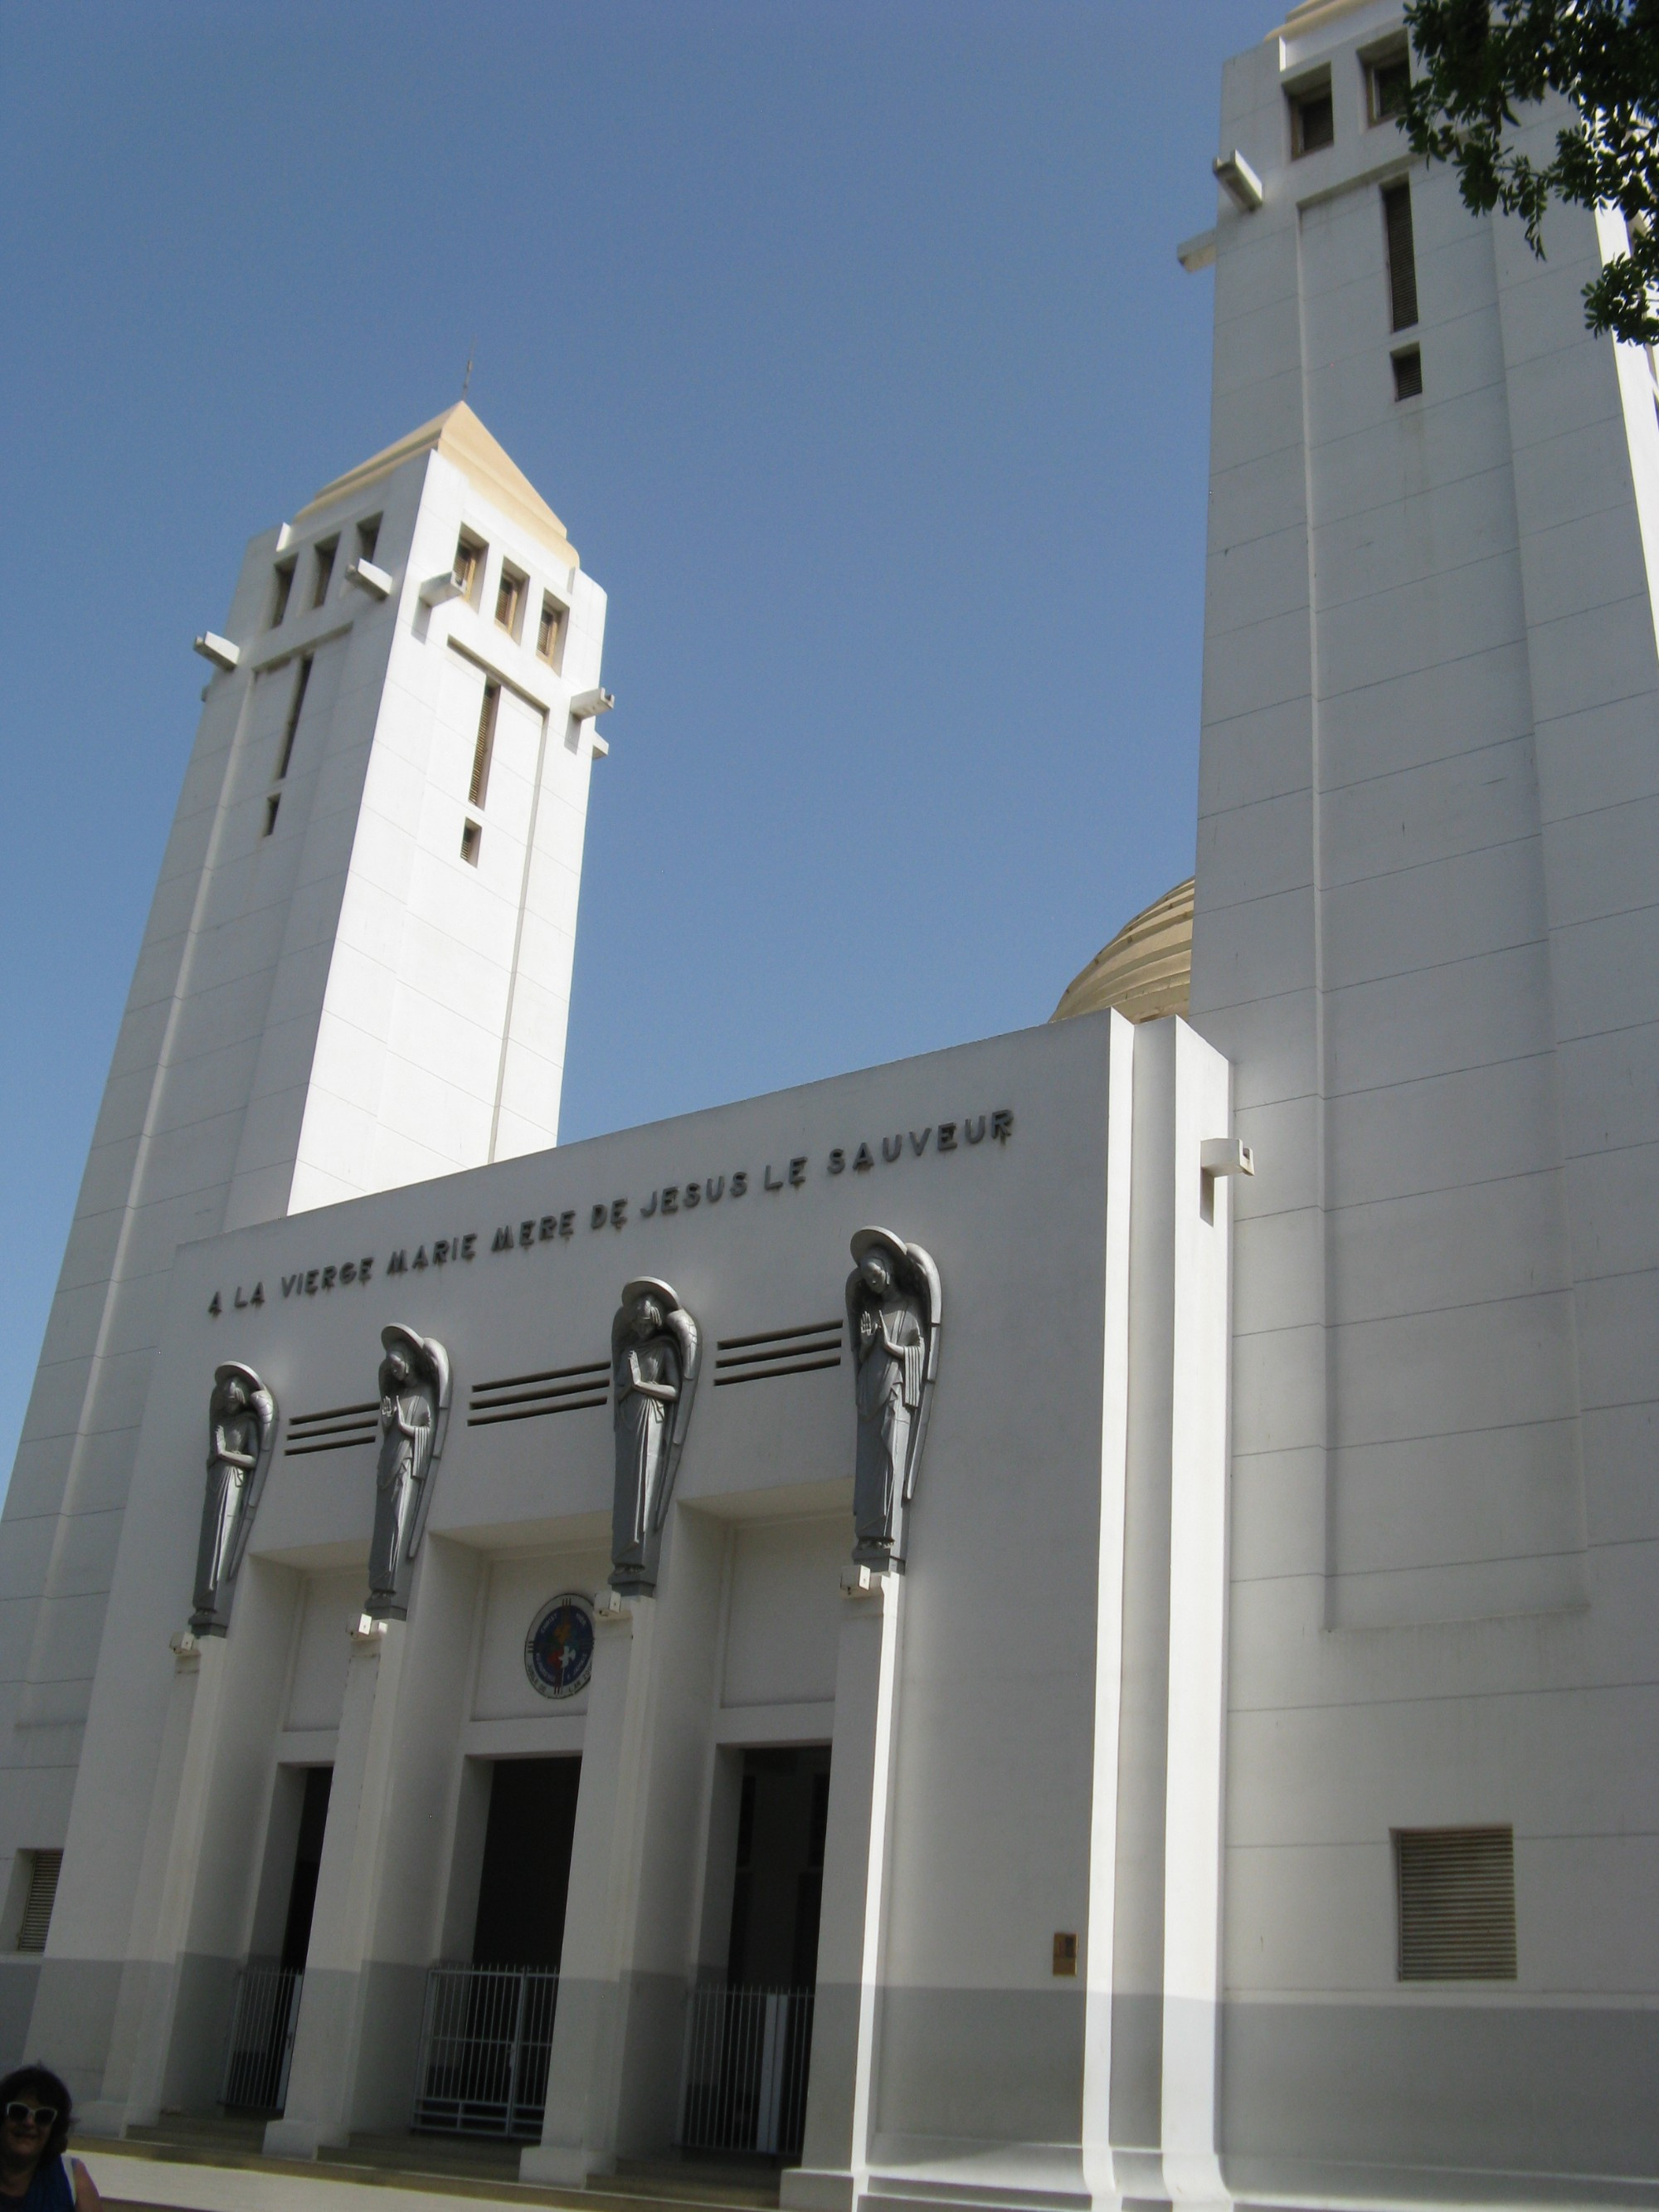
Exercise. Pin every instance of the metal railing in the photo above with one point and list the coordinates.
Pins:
(747, 2051)
(262, 2039)
(485, 2041)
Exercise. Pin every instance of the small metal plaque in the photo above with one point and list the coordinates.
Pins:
(1065, 1954)
(558, 1652)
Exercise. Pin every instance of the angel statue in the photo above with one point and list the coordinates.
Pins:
(894, 1306)
(414, 1415)
(241, 1425)
(654, 1353)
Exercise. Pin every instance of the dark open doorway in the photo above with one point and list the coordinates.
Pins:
(308, 1864)
(526, 1877)
(778, 1886)
(488, 2034)
(748, 2038)
(266, 2011)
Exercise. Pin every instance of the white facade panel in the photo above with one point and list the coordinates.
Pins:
(519, 1587)
(329, 1607)
(783, 1623)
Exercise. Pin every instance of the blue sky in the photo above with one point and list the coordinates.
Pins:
(850, 345)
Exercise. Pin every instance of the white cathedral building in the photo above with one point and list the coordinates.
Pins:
(1069, 1620)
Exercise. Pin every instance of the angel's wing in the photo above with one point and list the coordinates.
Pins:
(437, 1362)
(854, 1301)
(688, 1339)
(682, 1327)
(263, 1406)
(621, 1322)
(925, 1280)
(924, 1284)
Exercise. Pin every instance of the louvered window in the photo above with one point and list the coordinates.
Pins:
(1456, 1890)
(37, 1908)
(1402, 255)
(1313, 118)
(484, 744)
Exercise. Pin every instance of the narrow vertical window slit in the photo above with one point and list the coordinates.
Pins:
(1402, 256)
(291, 727)
(282, 585)
(478, 790)
(325, 570)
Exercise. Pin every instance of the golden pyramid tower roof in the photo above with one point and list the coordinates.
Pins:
(460, 437)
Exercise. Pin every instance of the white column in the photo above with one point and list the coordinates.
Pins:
(1194, 1805)
(385, 1862)
(835, 2166)
(629, 1950)
(579, 2133)
(167, 1882)
(331, 2024)
(208, 1803)
(1160, 2094)
(1100, 1951)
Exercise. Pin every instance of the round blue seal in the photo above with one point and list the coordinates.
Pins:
(558, 1652)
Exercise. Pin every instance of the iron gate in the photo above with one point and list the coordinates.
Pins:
(747, 2052)
(485, 2041)
(262, 2039)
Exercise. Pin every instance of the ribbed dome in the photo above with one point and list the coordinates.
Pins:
(1147, 969)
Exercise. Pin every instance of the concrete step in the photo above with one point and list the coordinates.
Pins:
(695, 2179)
(220, 2166)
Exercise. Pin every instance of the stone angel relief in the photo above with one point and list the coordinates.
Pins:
(414, 1394)
(655, 1351)
(241, 1428)
(894, 1306)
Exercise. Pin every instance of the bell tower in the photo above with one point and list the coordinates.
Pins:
(1425, 922)
(355, 975)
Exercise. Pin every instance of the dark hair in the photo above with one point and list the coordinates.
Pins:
(44, 2086)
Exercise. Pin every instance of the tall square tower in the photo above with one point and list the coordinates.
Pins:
(355, 975)
(1427, 936)
(1424, 907)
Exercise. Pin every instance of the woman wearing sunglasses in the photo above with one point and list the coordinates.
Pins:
(35, 2176)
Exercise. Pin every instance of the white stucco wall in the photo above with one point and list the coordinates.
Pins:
(994, 1699)
(1424, 927)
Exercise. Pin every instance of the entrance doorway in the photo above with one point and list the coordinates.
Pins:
(267, 2011)
(488, 2033)
(525, 1876)
(307, 1865)
(750, 2037)
(778, 1884)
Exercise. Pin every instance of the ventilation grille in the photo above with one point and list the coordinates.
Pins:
(784, 1352)
(1456, 1903)
(337, 1430)
(527, 1397)
(43, 1869)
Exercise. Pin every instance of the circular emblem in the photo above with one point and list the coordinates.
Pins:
(558, 1652)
